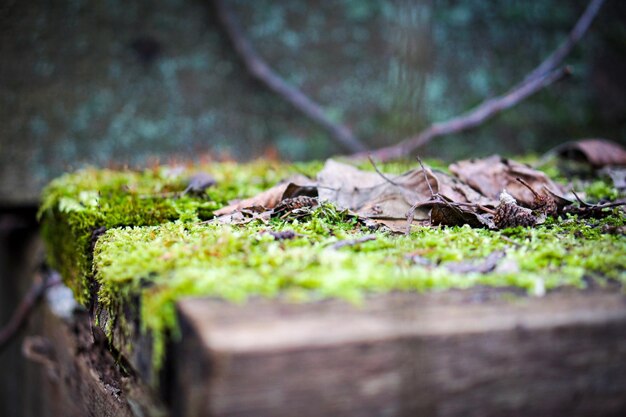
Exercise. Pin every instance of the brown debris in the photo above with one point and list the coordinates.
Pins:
(352, 242)
(282, 235)
(596, 211)
(294, 206)
(545, 203)
(510, 214)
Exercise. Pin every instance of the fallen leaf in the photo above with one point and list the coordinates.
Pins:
(388, 199)
(491, 176)
(447, 214)
(372, 196)
(269, 198)
(596, 152)
(199, 182)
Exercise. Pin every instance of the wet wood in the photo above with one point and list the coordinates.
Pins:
(474, 353)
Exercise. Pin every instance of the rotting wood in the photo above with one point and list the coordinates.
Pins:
(405, 354)
(83, 379)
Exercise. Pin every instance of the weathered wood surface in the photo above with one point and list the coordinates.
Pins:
(448, 354)
(80, 377)
(74, 385)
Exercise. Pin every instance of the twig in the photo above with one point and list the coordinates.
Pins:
(410, 215)
(379, 172)
(26, 306)
(527, 185)
(541, 77)
(260, 70)
(509, 240)
(580, 201)
(575, 35)
(432, 194)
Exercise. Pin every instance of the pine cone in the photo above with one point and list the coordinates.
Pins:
(510, 214)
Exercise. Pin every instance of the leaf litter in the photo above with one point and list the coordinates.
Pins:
(493, 193)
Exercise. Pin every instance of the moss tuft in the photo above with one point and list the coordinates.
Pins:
(78, 204)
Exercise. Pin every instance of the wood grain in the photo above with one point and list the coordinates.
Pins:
(448, 354)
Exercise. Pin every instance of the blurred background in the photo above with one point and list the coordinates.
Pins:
(112, 82)
(116, 82)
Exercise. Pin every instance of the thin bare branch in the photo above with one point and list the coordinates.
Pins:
(379, 172)
(527, 185)
(575, 35)
(26, 306)
(432, 194)
(541, 77)
(471, 119)
(259, 69)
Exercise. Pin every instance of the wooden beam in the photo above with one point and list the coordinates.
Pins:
(404, 354)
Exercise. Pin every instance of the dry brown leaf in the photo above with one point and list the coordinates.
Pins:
(456, 190)
(370, 195)
(596, 152)
(452, 215)
(268, 198)
(491, 176)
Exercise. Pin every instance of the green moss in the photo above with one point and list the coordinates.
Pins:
(157, 248)
(75, 205)
(175, 260)
(601, 190)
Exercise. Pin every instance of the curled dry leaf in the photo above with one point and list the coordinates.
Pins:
(370, 195)
(492, 175)
(597, 153)
(270, 198)
(296, 206)
(388, 199)
(199, 182)
(447, 214)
